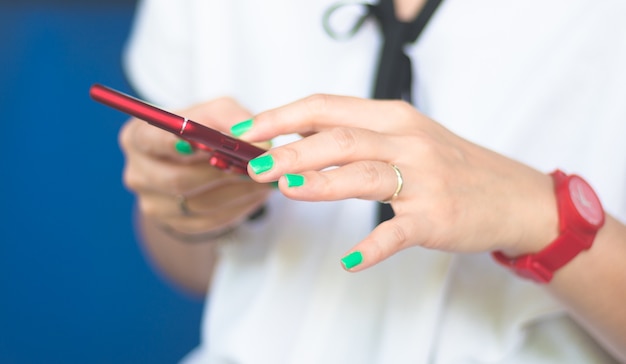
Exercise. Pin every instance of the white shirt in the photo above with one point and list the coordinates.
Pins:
(542, 82)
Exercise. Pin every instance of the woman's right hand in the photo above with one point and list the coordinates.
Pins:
(163, 178)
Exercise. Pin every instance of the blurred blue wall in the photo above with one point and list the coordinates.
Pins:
(74, 286)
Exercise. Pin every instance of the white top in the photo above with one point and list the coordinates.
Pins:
(543, 82)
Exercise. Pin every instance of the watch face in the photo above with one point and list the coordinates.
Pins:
(585, 201)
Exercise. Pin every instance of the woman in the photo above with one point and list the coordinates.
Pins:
(505, 93)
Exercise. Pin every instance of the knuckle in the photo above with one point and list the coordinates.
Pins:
(370, 175)
(131, 180)
(175, 183)
(148, 208)
(125, 136)
(405, 111)
(404, 106)
(324, 185)
(378, 253)
(422, 144)
(317, 104)
(345, 138)
(225, 101)
(288, 155)
(222, 107)
(399, 235)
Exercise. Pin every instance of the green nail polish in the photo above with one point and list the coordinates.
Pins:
(183, 147)
(352, 260)
(242, 127)
(262, 164)
(274, 184)
(294, 180)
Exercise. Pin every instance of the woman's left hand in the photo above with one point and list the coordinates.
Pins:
(456, 196)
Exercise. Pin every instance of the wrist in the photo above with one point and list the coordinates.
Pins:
(580, 217)
(538, 224)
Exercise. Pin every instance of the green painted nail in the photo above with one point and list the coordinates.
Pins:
(262, 164)
(242, 127)
(183, 147)
(274, 184)
(352, 260)
(294, 180)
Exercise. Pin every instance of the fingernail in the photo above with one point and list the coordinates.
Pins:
(262, 164)
(294, 180)
(183, 147)
(274, 185)
(352, 260)
(240, 128)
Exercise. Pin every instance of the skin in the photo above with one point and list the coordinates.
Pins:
(493, 202)
(408, 9)
(157, 174)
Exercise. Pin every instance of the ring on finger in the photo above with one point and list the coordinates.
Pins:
(398, 186)
(183, 206)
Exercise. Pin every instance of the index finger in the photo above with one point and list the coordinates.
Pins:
(320, 112)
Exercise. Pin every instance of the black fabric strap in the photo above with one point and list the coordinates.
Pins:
(394, 76)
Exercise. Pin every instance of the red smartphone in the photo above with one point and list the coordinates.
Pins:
(226, 152)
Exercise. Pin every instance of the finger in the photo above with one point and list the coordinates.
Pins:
(366, 180)
(143, 173)
(221, 114)
(138, 136)
(218, 114)
(228, 214)
(334, 147)
(215, 201)
(385, 240)
(320, 112)
(196, 224)
(234, 193)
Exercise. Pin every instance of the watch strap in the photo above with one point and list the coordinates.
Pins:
(575, 235)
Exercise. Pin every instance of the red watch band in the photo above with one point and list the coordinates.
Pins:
(580, 217)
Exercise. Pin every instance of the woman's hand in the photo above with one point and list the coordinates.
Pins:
(456, 196)
(182, 191)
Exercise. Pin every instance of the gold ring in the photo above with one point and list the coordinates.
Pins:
(398, 187)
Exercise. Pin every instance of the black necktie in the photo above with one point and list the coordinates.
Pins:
(394, 76)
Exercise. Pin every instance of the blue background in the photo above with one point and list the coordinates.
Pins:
(74, 285)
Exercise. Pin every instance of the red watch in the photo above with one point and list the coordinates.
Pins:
(580, 217)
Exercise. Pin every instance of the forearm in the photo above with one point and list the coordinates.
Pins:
(593, 288)
(187, 264)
